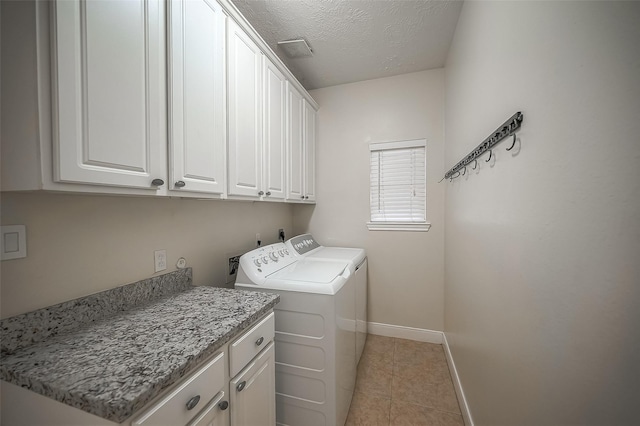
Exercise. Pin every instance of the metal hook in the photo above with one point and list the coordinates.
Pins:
(513, 143)
(490, 154)
(475, 164)
(465, 171)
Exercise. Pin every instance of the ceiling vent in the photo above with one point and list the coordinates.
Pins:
(297, 48)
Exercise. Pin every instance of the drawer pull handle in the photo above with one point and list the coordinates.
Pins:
(193, 402)
(180, 184)
(223, 405)
(259, 341)
(157, 182)
(241, 386)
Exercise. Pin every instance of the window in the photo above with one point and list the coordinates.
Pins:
(398, 182)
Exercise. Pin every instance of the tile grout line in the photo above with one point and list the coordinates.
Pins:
(393, 365)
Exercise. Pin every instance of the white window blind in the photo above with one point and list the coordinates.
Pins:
(398, 185)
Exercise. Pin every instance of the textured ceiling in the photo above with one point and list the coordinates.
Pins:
(355, 40)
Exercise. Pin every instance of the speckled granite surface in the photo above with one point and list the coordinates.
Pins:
(112, 368)
(32, 327)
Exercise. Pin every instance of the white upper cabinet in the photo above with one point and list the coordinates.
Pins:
(309, 152)
(244, 113)
(274, 146)
(295, 151)
(197, 128)
(150, 97)
(108, 85)
(301, 148)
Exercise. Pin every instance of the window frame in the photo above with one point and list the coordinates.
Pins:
(422, 226)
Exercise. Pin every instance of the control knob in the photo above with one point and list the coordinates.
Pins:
(265, 260)
(273, 256)
(257, 262)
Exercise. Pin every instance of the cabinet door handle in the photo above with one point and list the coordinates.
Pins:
(241, 386)
(157, 182)
(180, 184)
(302, 196)
(223, 405)
(193, 402)
(259, 341)
(261, 193)
(306, 197)
(268, 193)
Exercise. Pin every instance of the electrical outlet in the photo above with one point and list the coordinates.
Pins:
(234, 264)
(258, 240)
(281, 236)
(160, 257)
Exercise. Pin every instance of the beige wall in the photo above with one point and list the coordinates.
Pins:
(80, 244)
(405, 268)
(543, 247)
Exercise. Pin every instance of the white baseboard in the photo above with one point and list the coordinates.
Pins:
(462, 400)
(410, 333)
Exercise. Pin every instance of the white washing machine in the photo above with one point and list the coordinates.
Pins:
(305, 246)
(315, 332)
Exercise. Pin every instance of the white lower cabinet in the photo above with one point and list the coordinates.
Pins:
(181, 405)
(214, 414)
(206, 397)
(253, 392)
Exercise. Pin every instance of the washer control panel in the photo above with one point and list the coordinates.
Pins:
(303, 243)
(263, 261)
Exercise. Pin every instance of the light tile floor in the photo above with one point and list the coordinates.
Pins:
(402, 382)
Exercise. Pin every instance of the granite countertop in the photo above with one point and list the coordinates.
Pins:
(114, 366)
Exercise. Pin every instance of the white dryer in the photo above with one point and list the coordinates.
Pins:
(305, 246)
(315, 332)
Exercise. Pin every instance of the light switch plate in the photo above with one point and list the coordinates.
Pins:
(13, 242)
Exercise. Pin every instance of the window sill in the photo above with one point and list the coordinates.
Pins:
(398, 226)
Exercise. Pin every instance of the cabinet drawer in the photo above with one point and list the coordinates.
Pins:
(247, 346)
(213, 414)
(173, 409)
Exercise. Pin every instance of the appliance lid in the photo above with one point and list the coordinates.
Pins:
(353, 255)
(311, 271)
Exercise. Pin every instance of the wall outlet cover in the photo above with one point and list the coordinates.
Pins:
(160, 257)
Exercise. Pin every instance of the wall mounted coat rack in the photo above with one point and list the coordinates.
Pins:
(508, 128)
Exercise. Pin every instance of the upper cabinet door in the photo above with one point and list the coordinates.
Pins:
(245, 113)
(309, 152)
(295, 149)
(274, 147)
(196, 58)
(108, 85)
